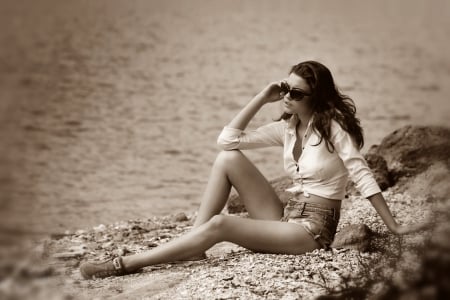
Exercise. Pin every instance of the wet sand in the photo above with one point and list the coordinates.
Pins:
(110, 109)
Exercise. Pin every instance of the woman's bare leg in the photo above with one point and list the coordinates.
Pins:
(258, 235)
(262, 233)
(232, 168)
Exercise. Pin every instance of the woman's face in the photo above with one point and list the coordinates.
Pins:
(300, 86)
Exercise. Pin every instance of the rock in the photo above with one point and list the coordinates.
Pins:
(356, 236)
(379, 169)
(122, 251)
(150, 244)
(409, 150)
(73, 252)
(69, 255)
(108, 245)
(418, 159)
(180, 217)
(433, 183)
(99, 228)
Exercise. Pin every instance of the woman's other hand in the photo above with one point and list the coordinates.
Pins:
(408, 229)
(379, 203)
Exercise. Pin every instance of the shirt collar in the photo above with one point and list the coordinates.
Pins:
(293, 121)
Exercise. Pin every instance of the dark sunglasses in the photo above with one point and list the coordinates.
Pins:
(294, 94)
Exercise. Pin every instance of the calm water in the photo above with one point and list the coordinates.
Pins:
(110, 110)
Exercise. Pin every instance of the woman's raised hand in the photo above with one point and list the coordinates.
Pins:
(273, 92)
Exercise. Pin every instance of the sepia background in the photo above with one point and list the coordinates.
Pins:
(110, 110)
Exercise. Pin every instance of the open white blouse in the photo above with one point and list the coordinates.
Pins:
(317, 171)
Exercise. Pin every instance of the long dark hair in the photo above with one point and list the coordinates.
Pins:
(328, 104)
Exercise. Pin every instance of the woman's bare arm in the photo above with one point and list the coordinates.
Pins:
(379, 203)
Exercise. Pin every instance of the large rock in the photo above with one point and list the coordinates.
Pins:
(410, 150)
(379, 169)
(418, 159)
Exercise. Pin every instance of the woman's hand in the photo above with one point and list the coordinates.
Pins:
(408, 229)
(272, 92)
(382, 209)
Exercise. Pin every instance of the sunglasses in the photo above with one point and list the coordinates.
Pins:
(294, 94)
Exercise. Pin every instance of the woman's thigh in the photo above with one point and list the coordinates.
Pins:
(253, 188)
(264, 235)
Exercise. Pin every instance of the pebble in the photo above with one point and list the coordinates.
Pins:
(99, 228)
(180, 217)
(123, 251)
(67, 255)
(108, 245)
(150, 244)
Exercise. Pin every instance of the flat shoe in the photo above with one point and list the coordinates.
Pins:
(112, 267)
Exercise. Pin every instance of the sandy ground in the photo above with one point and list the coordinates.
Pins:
(110, 109)
(229, 272)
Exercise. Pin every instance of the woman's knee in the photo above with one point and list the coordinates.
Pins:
(228, 158)
(216, 225)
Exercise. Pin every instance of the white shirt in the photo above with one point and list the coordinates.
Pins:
(317, 170)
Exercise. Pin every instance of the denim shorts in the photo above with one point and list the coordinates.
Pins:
(319, 220)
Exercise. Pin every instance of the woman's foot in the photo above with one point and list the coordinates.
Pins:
(112, 267)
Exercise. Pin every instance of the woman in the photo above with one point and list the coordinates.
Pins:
(321, 138)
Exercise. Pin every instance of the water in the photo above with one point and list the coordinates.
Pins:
(111, 109)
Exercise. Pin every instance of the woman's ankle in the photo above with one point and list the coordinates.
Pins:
(127, 264)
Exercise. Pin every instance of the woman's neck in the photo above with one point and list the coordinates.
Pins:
(304, 117)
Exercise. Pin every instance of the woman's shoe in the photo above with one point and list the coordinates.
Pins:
(112, 267)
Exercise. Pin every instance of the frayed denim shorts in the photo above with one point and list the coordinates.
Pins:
(319, 220)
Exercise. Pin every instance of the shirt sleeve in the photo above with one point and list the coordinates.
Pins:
(355, 163)
(265, 136)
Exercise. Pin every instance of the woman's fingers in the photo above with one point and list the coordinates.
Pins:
(407, 229)
(282, 85)
(272, 92)
(275, 91)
